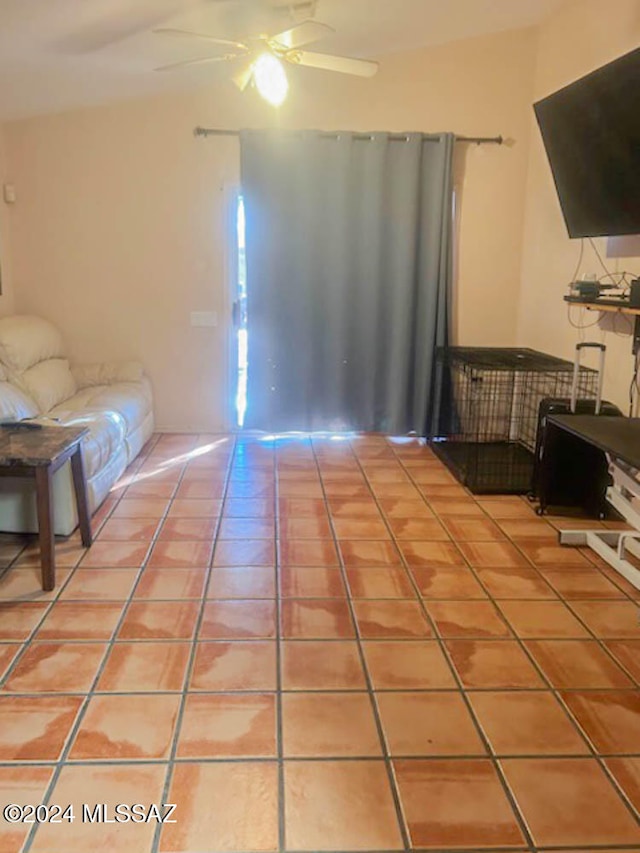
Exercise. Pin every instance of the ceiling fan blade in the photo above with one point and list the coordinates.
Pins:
(204, 61)
(170, 31)
(243, 77)
(329, 62)
(304, 33)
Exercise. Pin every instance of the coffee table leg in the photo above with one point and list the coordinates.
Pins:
(45, 526)
(80, 485)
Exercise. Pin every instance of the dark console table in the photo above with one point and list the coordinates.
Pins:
(619, 438)
(38, 454)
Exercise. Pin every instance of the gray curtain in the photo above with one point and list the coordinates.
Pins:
(348, 244)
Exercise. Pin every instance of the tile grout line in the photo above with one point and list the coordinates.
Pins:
(594, 753)
(282, 805)
(568, 604)
(69, 740)
(559, 598)
(195, 640)
(168, 781)
(555, 691)
(518, 814)
(317, 759)
(27, 641)
(395, 792)
(257, 691)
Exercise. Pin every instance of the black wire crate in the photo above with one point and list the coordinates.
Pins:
(485, 415)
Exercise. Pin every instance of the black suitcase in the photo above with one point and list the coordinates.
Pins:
(570, 472)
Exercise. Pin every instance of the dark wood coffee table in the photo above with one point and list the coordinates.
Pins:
(38, 454)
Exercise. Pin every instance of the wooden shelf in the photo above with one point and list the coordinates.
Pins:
(603, 306)
(612, 309)
(615, 309)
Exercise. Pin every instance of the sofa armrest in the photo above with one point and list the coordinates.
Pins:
(106, 373)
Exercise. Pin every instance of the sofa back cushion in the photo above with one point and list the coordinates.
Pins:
(49, 382)
(15, 404)
(26, 340)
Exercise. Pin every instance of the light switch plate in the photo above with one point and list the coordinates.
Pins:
(204, 318)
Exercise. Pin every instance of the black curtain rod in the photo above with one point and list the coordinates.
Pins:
(400, 137)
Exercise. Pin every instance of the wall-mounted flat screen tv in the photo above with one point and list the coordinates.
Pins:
(591, 132)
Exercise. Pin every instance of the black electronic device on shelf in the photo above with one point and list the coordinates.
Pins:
(587, 290)
(607, 301)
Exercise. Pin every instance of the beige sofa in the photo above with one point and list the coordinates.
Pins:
(113, 401)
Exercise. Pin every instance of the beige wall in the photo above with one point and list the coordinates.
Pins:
(118, 231)
(578, 39)
(6, 297)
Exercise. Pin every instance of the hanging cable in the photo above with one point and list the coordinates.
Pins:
(577, 269)
(623, 277)
(633, 388)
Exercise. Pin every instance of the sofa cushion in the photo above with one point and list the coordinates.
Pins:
(15, 404)
(114, 402)
(106, 437)
(26, 340)
(106, 373)
(132, 401)
(49, 382)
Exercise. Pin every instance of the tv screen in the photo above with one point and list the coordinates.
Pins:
(591, 132)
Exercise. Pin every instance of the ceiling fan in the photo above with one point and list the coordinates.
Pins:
(266, 55)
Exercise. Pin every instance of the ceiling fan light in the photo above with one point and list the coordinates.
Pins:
(270, 78)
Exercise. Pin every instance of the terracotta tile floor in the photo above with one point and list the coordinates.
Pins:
(319, 645)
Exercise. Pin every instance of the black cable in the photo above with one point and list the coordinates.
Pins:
(577, 269)
(578, 325)
(633, 388)
(618, 278)
(609, 274)
(599, 256)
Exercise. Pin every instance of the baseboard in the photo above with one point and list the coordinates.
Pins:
(203, 429)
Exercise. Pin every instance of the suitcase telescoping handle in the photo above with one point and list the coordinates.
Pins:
(576, 374)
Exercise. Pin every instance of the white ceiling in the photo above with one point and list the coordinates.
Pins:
(60, 54)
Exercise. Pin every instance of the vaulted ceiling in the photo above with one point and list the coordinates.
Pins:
(60, 54)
